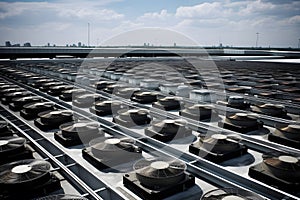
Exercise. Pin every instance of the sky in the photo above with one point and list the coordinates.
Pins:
(274, 23)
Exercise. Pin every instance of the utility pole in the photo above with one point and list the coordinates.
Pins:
(88, 34)
(257, 35)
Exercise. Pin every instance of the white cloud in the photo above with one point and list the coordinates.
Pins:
(257, 6)
(62, 9)
(19, 8)
(239, 14)
(236, 22)
(82, 13)
(205, 10)
(163, 14)
(294, 20)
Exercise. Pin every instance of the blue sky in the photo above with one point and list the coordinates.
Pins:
(123, 22)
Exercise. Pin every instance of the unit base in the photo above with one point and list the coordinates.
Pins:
(24, 154)
(99, 112)
(68, 142)
(283, 140)
(181, 133)
(217, 157)
(258, 172)
(132, 123)
(165, 107)
(131, 182)
(46, 127)
(42, 189)
(237, 128)
(109, 163)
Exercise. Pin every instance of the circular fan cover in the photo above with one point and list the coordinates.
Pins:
(73, 91)
(230, 194)
(159, 172)
(102, 84)
(25, 172)
(290, 131)
(145, 94)
(168, 126)
(127, 92)
(56, 116)
(113, 88)
(87, 97)
(218, 143)
(270, 109)
(42, 81)
(242, 119)
(10, 144)
(111, 144)
(108, 105)
(17, 94)
(286, 167)
(61, 87)
(27, 99)
(292, 128)
(168, 100)
(7, 87)
(50, 84)
(200, 109)
(62, 197)
(11, 90)
(134, 114)
(73, 128)
(41, 106)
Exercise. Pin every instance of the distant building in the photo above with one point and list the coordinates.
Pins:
(16, 45)
(27, 44)
(79, 44)
(7, 44)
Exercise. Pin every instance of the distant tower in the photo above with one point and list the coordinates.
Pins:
(88, 34)
(257, 35)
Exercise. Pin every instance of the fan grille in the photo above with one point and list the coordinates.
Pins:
(8, 144)
(23, 171)
(230, 194)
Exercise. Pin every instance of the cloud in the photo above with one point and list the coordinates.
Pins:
(255, 7)
(60, 22)
(19, 8)
(82, 13)
(204, 10)
(294, 20)
(236, 21)
(163, 14)
(239, 14)
(64, 10)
